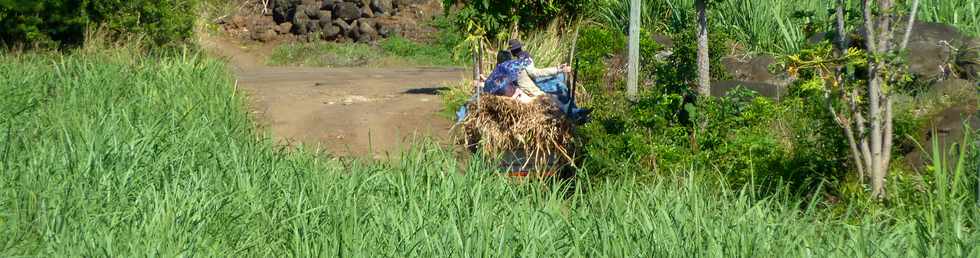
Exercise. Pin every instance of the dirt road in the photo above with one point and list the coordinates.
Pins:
(371, 112)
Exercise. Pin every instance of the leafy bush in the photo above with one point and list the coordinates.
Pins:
(750, 139)
(595, 45)
(678, 74)
(51, 23)
(496, 17)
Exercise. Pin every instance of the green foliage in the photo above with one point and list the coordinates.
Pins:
(420, 53)
(963, 14)
(775, 26)
(455, 96)
(679, 73)
(116, 154)
(762, 25)
(495, 18)
(755, 141)
(59, 22)
(595, 46)
(449, 37)
(751, 139)
(816, 68)
(324, 54)
(395, 51)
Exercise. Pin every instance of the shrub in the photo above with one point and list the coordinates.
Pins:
(496, 17)
(750, 140)
(51, 23)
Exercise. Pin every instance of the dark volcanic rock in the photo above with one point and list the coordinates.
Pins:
(325, 15)
(311, 11)
(754, 69)
(366, 27)
(968, 62)
(366, 12)
(330, 31)
(328, 5)
(930, 47)
(301, 25)
(949, 130)
(381, 6)
(283, 10)
(345, 28)
(284, 28)
(347, 11)
(927, 60)
(313, 26)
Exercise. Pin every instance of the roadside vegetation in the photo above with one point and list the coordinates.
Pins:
(107, 155)
(391, 52)
(146, 148)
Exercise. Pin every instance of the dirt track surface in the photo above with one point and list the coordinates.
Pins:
(372, 112)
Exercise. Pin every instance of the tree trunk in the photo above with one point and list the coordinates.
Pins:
(633, 69)
(704, 74)
(842, 45)
(879, 44)
(841, 30)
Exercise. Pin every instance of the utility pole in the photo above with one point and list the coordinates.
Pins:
(634, 50)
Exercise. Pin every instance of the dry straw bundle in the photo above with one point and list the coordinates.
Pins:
(500, 125)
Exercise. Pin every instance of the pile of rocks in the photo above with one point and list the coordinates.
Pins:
(341, 20)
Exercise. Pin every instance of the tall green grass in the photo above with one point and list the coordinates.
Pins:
(963, 14)
(775, 26)
(763, 25)
(114, 154)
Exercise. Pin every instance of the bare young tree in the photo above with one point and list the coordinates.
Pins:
(864, 111)
(868, 118)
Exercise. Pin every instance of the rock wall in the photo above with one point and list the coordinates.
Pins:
(332, 19)
(339, 20)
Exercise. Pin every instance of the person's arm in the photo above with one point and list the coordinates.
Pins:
(543, 72)
(546, 72)
(527, 85)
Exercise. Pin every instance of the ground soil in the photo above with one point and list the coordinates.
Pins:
(372, 112)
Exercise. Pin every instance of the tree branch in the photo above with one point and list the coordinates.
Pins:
(841, 34)
(908, 29)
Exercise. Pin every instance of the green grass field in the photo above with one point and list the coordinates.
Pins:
(119, 154)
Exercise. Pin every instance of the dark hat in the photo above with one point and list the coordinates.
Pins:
(514, 44)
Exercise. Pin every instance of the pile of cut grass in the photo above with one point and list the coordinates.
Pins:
(114, 154)
(498, 126)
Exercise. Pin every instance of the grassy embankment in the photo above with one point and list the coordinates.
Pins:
(392, 52)
(109, 155)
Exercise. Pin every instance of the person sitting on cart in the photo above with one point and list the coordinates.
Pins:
(520, 79)
(519, 73)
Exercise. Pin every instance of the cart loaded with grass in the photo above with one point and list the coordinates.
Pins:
(526, 137)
